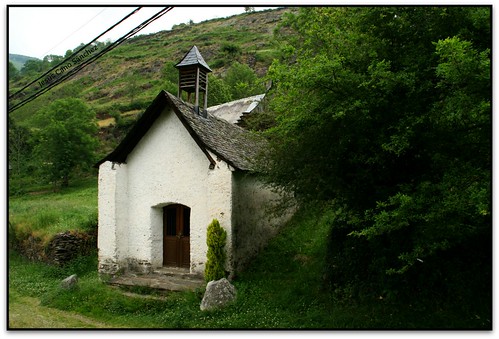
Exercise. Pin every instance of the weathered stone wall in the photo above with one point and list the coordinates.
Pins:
(113, 214)
(68, 245)
(257, 216)
(62, 248)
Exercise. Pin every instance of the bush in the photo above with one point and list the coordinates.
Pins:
(230, 50)
(216, 239)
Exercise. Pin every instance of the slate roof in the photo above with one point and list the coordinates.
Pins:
(231, 143)
(235, 111)
(193, 57)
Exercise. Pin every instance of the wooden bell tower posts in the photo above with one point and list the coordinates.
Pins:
(193, 78)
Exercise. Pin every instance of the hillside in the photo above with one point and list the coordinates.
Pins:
(126, 79)
(18, 60)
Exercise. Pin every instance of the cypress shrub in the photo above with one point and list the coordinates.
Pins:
(216, 239)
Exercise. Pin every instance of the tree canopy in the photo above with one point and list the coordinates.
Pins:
(383, 114)
(66, 138)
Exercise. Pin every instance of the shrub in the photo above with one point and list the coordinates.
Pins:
(216, 239)
(230, 50)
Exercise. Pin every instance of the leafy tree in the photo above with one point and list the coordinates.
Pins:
(13, 72)
(383, 114)
(19, 147)
(243, 81)
(67, 142)
(33, 67)
(218, 91)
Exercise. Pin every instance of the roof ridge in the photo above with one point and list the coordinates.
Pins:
(233, 144)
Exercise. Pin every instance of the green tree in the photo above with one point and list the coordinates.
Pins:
(387, 113)
(243, 81)
(218, 91)
(19, 147)
(66, 139)
(13, 72)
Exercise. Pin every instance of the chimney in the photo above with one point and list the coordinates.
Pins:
(193, 78)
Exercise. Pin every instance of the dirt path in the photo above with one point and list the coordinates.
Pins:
(26, 312)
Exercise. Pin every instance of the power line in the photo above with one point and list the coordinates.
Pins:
(74, 53)
(66, 38)
(93, 58)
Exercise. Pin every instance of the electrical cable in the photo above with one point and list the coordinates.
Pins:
(93, 58)
(74, 53)
(70, 35)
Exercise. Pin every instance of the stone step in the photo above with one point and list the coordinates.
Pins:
(164, 278)
(176, 272)
(161, 282)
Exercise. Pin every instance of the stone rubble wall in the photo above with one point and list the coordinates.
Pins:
(62, 248)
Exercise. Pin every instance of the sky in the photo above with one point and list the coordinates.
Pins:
(40, 31)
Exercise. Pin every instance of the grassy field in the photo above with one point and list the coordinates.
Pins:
(282, 289)
(45, 213)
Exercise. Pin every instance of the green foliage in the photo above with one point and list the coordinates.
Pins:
(230, 50)
(282, 289)
(13, 73)
(66, 138)
(20, 148)
(242, 81)
(215, 239)
(218, 91)
(387, 111)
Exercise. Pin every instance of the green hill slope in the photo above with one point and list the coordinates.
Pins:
(18, 60)
(126, 79)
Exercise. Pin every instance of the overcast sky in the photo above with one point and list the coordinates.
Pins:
(40, 31)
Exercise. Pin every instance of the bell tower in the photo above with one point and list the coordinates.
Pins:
(193, 78)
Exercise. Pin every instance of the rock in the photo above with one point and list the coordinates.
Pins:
(218, 294)
(70, 282)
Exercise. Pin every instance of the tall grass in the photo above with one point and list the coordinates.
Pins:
(45, 214)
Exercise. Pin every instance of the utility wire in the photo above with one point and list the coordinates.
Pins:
(66, 38)
(93, 58)
(74, 53)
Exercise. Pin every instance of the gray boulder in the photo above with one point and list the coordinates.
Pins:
(218, 294)
(70, 282)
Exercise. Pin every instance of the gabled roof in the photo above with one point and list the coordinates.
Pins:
(193, 57)
(231, 143)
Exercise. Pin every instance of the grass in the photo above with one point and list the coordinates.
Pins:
(282, 289)
(46, 213)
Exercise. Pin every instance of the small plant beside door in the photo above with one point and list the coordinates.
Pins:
(216, 239)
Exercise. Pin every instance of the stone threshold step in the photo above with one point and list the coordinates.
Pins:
(162, 282)
(176, 272)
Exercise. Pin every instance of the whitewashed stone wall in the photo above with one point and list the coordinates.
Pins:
(166, 167)
(255, 217)
(113, 212)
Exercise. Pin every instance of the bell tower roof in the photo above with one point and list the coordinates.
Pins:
(193, 58)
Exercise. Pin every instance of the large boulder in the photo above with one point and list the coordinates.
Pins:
(218, 294)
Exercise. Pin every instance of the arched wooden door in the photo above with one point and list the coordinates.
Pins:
(176, 236)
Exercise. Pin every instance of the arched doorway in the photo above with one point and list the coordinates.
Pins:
(176, 236)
